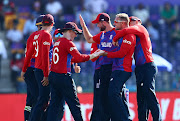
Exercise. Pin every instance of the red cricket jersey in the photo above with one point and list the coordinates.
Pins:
(29, 54)
(143, 49)
(63, 51)
(124, 55)
(42, 42)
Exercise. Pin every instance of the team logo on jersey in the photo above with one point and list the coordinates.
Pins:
(36, 36)
(91, 49)
(72, 48)
(106, 44)
(128, 42)
(46, 43)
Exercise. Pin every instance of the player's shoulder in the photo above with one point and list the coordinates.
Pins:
(130, 37)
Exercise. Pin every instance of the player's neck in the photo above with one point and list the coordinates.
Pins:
(46, 28)
(67, 36)
(109, 28)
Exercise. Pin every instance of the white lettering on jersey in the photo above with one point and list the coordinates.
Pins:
(91, 49)
(57, 43)
(128, 42)
(36, 36)
(72, 48)
(102, 36)
(111, 36)
(46, 43)
(106, 44)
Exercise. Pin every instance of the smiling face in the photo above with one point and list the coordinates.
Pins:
(118, 23)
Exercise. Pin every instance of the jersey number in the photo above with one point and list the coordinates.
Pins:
(55, 55)
(36, 47)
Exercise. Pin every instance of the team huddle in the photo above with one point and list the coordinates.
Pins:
(47, 69)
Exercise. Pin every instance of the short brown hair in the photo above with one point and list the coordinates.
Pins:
(123, 16)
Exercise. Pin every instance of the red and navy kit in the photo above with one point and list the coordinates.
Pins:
(63, 51)
(40, 48)
(143, 49)
(145, 72)
(104, 39)
(95, 47)
(124, 55)
(42, 41)
(29, 56)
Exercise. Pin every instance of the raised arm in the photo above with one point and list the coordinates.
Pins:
(86, 32)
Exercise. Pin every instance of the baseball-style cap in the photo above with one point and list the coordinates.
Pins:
(71, 26)
(134, 18)
(39, 20)
(48, 19)
(57, 33)
(101, 17)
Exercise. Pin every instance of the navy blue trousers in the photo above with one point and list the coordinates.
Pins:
(63, 88)
(32, 92)
(105, 75)
(43, 97)
(118, 108)
(146, 97)
(97, 106)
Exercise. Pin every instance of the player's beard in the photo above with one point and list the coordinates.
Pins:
(103, 28)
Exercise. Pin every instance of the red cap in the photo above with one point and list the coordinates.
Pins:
(48, 19)
(134, 18)
(57, 31)
(101, 17)
(71, 26)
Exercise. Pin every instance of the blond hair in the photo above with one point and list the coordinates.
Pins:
(123, 17)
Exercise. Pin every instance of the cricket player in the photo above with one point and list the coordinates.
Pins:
(145, 70)
(41, 46)
(96, 98)
(121, 70)
(29, 77)
(62, 84)
(104, 39)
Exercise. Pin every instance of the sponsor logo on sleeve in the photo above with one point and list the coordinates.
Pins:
(72, 48)
(128, 42)
(46, 43)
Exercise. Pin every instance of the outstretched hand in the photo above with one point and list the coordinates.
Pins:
(82, 23)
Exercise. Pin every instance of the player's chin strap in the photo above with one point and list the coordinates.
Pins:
(28, 108)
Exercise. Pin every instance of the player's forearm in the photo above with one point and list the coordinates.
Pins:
(117, 54)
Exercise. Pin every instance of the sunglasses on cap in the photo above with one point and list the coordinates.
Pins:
(118, 21)
(58, 35)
